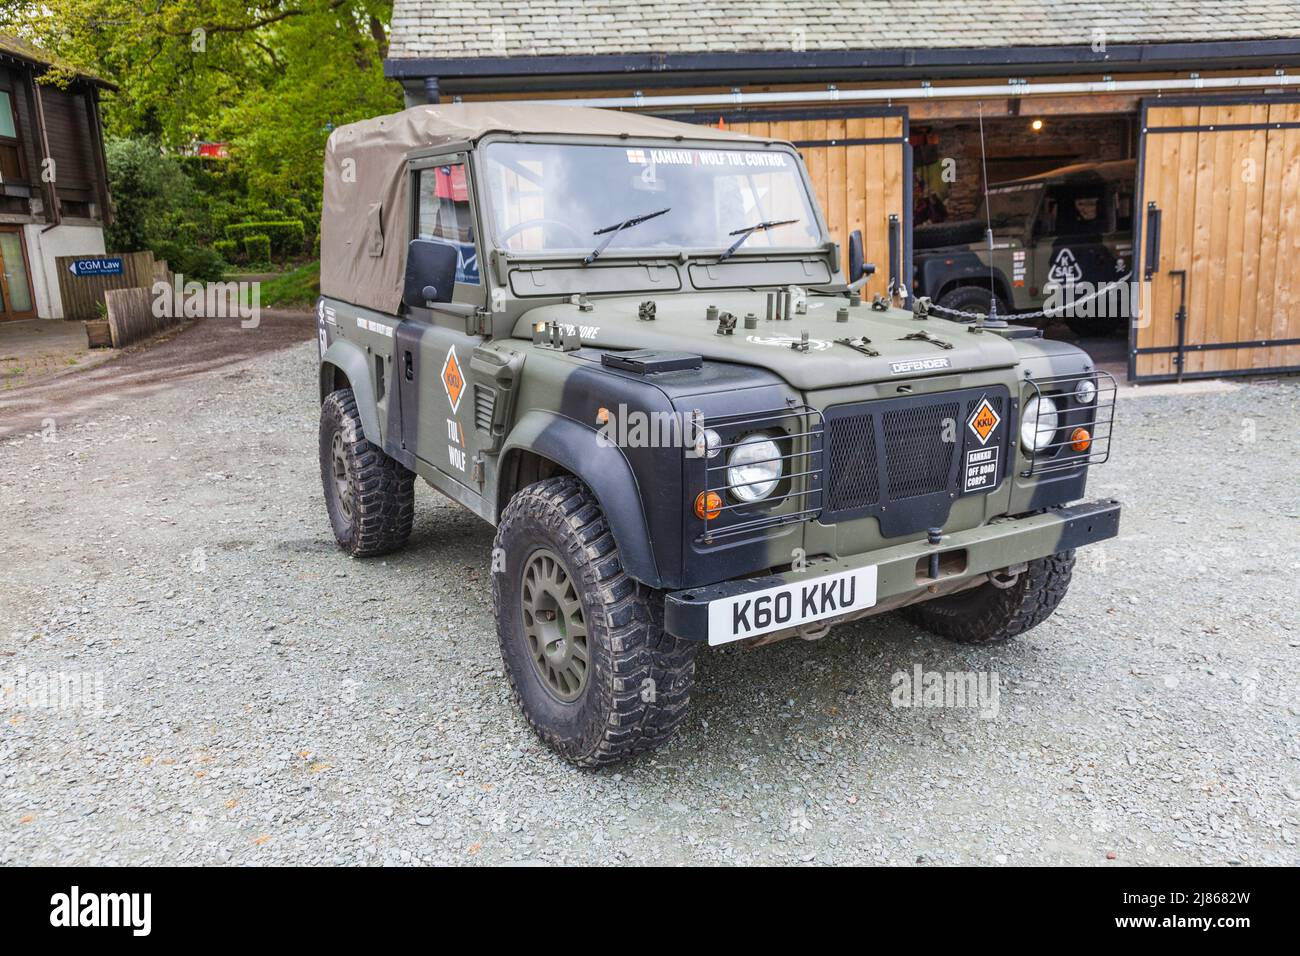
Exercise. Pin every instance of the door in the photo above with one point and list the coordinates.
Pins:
(860, 165)
(1219, 236)
(434, 346)
(15, 277)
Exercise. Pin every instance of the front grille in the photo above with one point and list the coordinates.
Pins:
(901, 460)
(850, 442)
(918, 460)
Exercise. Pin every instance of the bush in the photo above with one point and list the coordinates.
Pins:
(193, 262)
(257, 248)
(228, 249)
(287, 236)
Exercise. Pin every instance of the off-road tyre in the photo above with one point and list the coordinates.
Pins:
(958, 232)
(990, 615)
(971, 298)
(374, 510)
(638, 679)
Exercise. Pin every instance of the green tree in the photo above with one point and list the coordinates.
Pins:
(148, 187)
(271, 78)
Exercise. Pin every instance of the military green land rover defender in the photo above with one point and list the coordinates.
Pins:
(630, 344)
(1062, 242)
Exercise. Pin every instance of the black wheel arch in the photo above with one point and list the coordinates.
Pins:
(544, 444)
(344, 366)
(1000, 287)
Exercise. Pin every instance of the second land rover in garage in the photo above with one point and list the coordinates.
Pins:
(1062, 241)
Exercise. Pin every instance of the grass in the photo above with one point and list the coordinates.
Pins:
(297, 287)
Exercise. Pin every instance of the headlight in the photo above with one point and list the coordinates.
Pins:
(1038, 424)
(754, 468)
(1085, 391)
(708, 442)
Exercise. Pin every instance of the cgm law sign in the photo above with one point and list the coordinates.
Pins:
(97, 266)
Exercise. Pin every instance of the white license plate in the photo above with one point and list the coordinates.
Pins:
(789, 605)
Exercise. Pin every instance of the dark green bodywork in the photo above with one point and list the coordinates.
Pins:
(529, 403)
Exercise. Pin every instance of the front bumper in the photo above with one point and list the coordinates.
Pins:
(905, 572)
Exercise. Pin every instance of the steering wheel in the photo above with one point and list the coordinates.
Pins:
(519, 227)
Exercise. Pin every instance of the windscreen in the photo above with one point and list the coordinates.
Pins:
(1011, 208)
(568, 198)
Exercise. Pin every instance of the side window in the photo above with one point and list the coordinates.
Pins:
(1123, 210)
(444, 215)
(1072, 210)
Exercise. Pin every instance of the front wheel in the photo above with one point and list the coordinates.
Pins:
(991, 614)
(584, 648)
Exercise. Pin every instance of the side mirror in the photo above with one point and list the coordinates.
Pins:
(430, 272)
(857, 263)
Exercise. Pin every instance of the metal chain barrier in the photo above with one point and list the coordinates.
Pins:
(1041, 313)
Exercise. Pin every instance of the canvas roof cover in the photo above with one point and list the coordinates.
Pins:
(364, 209)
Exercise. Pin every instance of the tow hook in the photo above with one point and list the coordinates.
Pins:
(1008, 576)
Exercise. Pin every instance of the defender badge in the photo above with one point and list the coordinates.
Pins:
(984, 420)
(452, 380)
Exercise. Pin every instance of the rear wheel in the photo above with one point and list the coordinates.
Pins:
(971, 298)
(991, 614)
(369, 496)
(583, 644)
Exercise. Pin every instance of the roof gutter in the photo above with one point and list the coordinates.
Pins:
(900, 61)
(737, 98)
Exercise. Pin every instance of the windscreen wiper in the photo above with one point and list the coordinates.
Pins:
(749, 231)
(615, 229)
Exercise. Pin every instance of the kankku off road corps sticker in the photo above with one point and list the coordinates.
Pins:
(452, 380)
(981, 466)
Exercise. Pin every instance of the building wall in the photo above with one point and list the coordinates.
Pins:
(72, 145)
(67, 239)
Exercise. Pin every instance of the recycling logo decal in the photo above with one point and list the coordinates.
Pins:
(1065, 269)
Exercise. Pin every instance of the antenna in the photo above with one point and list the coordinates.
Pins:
(992, 320)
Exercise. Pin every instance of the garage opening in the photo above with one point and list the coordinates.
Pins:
(1061, 195)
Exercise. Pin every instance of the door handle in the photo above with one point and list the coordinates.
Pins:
(1153, 241)
(408, 366)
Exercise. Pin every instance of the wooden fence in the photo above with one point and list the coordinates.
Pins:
(83, 294)
(131, 316)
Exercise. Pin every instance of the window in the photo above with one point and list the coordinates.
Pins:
(8, 128)
(1124, 210)
(544, 197)
(10, 165)
(444, 215)
(1073, 209)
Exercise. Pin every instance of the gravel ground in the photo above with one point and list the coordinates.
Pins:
(244, 693)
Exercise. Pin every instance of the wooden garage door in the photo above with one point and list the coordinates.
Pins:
(1220, 184)
(861, 167)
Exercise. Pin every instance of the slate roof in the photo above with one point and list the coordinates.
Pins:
(450, 29)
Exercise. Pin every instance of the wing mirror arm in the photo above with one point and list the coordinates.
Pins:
(859, 270)
(869, 269)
